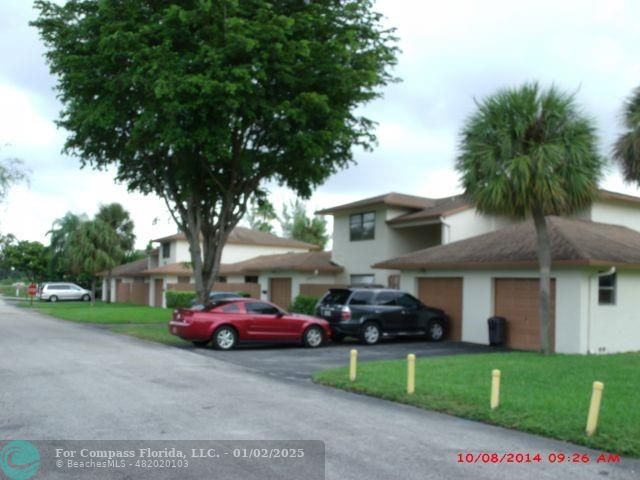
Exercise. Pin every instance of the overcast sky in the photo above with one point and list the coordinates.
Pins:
(452, 52)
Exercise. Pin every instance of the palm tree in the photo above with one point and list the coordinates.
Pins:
(120, 221)
(527, 152)
(626, 150)
(94, 247)
(61, 233)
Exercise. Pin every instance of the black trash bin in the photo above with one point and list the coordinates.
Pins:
(497, 331)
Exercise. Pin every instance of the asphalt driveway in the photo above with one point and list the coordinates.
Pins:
(60, 380)
(297, 363)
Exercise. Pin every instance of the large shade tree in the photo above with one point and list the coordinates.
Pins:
(529, 152)
(200, 102)
(626, 150)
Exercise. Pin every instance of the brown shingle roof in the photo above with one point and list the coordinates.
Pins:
(573, 242)
(429, 208)
(131, 269)
(181, 268)
(246, 236)
(390, 199)
(441, 206)
(297, 262)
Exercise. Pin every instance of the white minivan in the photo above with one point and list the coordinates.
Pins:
(54, 292)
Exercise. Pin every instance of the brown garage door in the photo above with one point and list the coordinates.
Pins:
(444, 293)
(517, 300)
(158, 293)
(280, 292)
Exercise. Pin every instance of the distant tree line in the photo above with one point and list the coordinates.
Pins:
(293, 219)
(79, 248)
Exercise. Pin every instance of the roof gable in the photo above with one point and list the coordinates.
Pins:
(573, 242)
(247, 236)
(392, 199)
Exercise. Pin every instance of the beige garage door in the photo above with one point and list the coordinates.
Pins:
(280, 292)
(444, 293)
(516, 299)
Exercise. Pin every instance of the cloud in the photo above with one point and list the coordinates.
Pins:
(21, 123)
(452, 53)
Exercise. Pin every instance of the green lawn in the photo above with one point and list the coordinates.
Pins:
(103, 313)
(548, 395)
(120, 317)
(155, 333)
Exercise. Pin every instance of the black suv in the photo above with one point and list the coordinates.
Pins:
(368, 313)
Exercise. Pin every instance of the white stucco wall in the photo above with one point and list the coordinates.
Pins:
(616, 213)
(469, 223)
(615, 328)
(231, 253)
(357, 257)
(478, 303)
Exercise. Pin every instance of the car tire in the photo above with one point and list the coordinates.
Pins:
(313, 337)
(200, 343)
(436, 331)
(225, 338)
(86, 298)
(370, 333)
(53, 299)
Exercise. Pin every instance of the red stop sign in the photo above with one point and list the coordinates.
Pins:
(32, 289)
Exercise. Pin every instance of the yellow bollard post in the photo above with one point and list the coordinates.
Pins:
(411, 373)
(594, 408)
(495, 389)
(353, 364)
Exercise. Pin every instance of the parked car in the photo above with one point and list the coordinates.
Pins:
(228, 322)
(370, 313)
(54, 292)
(217, 295)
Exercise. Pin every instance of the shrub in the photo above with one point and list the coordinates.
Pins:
(179, 299)
(305, 304)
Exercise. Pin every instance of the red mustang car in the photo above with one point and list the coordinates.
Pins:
(230, 321)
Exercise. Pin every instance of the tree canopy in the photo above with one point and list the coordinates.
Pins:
(199, 102)
(261, 215)
(529, 152)
(626, 150)
(296, 224)
(31, 259)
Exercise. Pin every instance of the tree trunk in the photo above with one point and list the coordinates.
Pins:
(93, 291)
(109, 286)
(205, 253)
(544, 261)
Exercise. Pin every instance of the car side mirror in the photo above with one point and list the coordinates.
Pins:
(280, 314)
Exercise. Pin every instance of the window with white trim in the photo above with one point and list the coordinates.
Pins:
(607, 289)
(362, 226)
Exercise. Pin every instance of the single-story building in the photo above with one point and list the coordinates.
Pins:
(595, 289)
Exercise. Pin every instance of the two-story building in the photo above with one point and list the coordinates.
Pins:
(168, 267)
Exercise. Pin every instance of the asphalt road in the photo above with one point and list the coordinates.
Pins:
(292, 362)
(61, 380)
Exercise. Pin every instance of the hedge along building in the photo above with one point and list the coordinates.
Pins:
(595, 288)
(169, 265)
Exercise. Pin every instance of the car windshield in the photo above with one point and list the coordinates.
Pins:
(336, 297)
